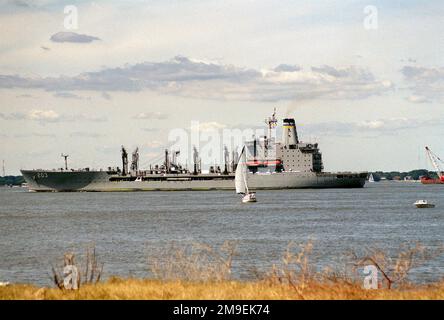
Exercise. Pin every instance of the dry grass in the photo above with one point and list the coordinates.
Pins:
(196, 262)
(221, 290)
(203, 272)
(396, 269)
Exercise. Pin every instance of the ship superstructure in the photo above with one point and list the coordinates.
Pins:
(290, 155)
(288, 164)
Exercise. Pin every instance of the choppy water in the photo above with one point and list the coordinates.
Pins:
(37, 228)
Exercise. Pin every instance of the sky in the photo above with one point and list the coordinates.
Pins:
(363, 79)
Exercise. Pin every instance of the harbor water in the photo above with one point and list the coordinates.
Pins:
(126, 228)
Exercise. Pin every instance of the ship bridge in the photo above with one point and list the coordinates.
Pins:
(264, 154)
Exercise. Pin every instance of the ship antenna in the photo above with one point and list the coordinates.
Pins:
(271, 123)
(3, 167)
(124, 161)
(135, 160)
(226, 159)
(196, 160)
(66, 160)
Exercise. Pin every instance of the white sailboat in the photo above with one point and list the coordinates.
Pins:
(371, 178)
(241, 179)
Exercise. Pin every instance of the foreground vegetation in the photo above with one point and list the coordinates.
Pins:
(116, 288)
(202, 272)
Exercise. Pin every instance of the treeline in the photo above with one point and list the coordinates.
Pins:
(410, 175)
(11, 180)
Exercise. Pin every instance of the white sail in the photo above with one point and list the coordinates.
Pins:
(240, 178)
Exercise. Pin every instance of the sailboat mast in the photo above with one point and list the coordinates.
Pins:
(245, 180)
(244, 159)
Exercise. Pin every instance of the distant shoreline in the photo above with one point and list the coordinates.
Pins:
(11, 181)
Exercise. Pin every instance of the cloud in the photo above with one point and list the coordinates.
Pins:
(43, 135)
(84, 117)
(73, 37)
(208, 126)
(39, 153)
(367, 127)
(153, 145)
(67, 95)
(182, 76)
(108, 149)
(106, 96)
(338, 73)
(423, 74)
(12, 116)
(24, 96)
(21, 3)
(417, 99)
(151, 115)
(373, 124)
(30, 3)
(35, 135)
(81, 134)
(287, 68)
(150, 129)
(15, 7)
(44, 116)
(393, 125)
(36, 115)
(426, 83)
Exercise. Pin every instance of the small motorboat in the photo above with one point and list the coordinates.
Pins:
(423, 204)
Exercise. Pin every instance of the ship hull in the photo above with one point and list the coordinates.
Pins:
(431, 181)
(101, 181)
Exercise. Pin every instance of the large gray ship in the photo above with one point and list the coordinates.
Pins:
(289, 164)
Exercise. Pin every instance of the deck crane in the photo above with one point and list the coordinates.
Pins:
(435, 160)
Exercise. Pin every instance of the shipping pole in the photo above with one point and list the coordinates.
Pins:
(66, 160)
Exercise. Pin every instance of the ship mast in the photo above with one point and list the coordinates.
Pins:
(167, 162)
(196, 161)
(135, 160)
(235, 159)
(66, 160)
(226, 159)
(271, 122)
(124, 161)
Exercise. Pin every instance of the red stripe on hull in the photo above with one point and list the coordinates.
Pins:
(263, 163)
